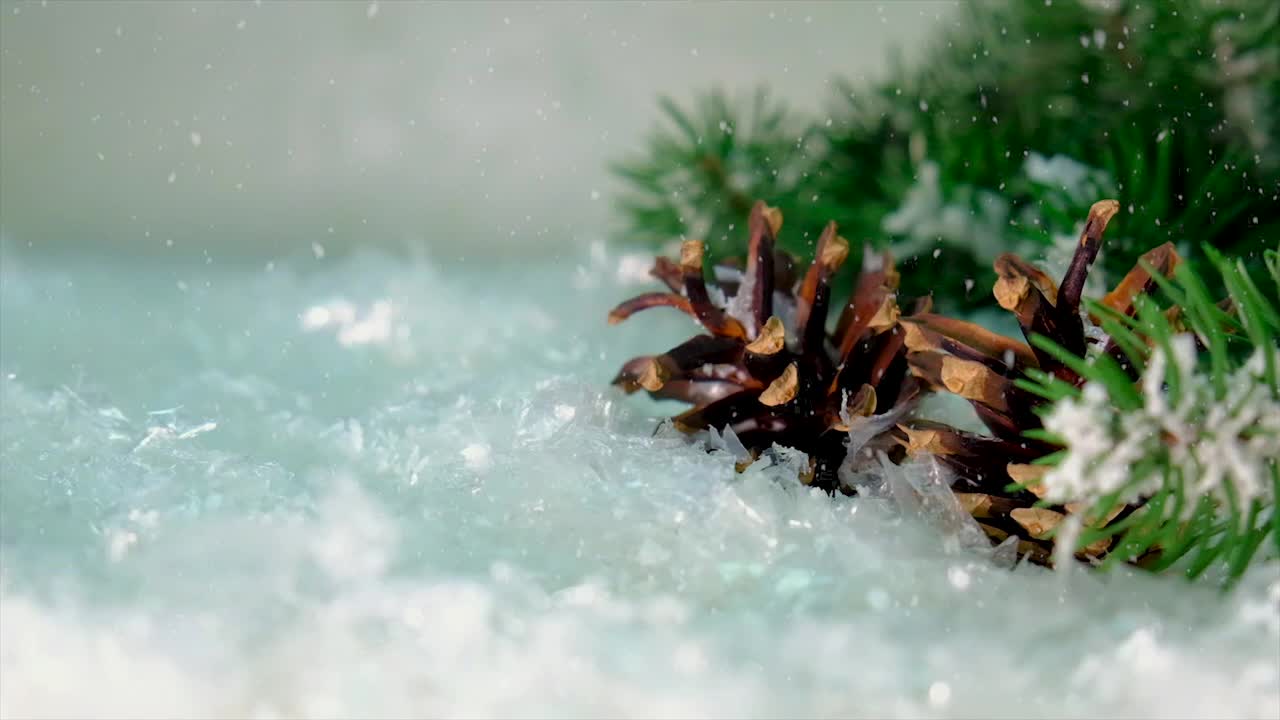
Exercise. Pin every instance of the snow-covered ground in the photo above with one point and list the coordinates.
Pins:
(372, 487)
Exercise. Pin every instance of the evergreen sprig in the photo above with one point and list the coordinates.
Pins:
(996, 138)
(704, 168)
(1196, 447)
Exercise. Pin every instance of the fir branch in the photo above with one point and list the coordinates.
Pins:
(705, 167)
(995, 139)
(1197, 452)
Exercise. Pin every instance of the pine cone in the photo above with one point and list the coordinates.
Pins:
(767, 366)
(981, 366)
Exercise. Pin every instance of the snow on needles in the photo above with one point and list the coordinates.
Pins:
(1219, 446)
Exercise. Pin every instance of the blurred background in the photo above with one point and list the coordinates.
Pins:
(255, 129)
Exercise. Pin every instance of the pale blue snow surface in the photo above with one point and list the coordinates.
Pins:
(377, 487)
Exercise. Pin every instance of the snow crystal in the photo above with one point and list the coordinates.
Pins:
(477, 457)
(198, 430)
(727, 442)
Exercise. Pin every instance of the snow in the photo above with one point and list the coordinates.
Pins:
(1212, 442)
(971, 217)
(467, 521)
(376, 325)
(939, 694)
(477, 457)
(1100, 451)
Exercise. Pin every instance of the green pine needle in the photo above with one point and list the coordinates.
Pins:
(1176, 526)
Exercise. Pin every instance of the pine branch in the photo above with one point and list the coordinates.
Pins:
(1169, 105)
(704, 168)
(1197, 451)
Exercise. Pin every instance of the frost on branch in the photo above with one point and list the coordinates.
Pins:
(1223, 446)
